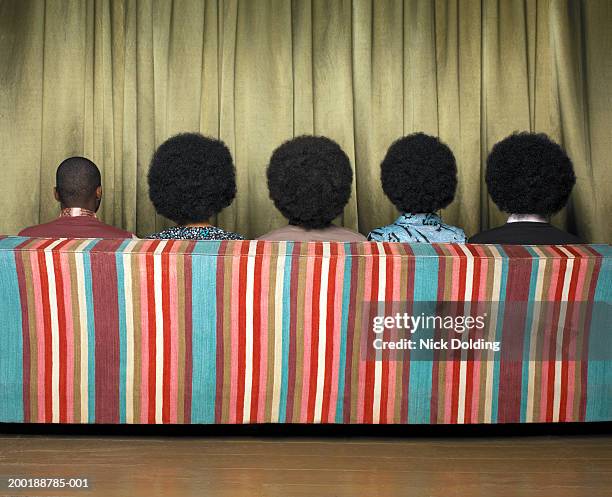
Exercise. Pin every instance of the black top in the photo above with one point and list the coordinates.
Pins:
(526, 233)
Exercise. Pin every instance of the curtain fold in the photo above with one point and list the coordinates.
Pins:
(111, 80)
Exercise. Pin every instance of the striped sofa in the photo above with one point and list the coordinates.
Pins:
(149, 331)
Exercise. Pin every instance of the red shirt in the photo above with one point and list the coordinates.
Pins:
(75, 227)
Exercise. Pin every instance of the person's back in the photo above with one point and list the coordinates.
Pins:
(419, 175)
(191, 179)
(78, 189)
(530, 177)
(516, 232)
(309, 181)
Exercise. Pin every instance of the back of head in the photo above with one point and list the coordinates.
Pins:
(191, 178)
(528, 173)
(76, 181)
(309, 179)
(419, 174)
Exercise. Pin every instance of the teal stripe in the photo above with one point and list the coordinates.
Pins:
(282, 413)
(11, 349)
(346, 302)
(91, 332)
(599, 377)
(122, 330)
(498, 334)
(425, 290)
(204, 340)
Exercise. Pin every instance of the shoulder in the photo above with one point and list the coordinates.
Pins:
(278, 234)
(113, 230)
(221, 234)
(459, 235)
(384, 234)
(37, 229)
(348, 235)
(487, 236)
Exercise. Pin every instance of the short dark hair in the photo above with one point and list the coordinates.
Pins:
(419, 174)
(309, 179)
(76, 181)
(528, 173)
(191, 178)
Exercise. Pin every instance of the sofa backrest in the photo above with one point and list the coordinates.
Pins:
(150, 331)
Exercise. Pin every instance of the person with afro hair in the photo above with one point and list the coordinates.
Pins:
(419, 175)
(191, 179)
(530, 177)
(309, 180)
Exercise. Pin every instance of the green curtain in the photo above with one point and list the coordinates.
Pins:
(112, 79)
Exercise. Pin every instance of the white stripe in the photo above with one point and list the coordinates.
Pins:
(322, 332)
(561, 325)
(129, 332)
(248, 366)
(467, 296)
(539, 291)
(159, 332)
(382, 274)
(83, 324)
(55, 352)
(278, 330)
(497, 271)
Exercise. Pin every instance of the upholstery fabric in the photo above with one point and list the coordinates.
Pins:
(158, 331)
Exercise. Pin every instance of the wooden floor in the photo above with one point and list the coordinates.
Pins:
(550, 466)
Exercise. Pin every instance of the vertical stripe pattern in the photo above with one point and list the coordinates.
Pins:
(141, 331)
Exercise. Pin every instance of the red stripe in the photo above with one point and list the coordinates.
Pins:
(520, 267)
(368, 400)
(220, 324)
(385, 386)
(106, 319)
(314, 332)
(46, 306)
(470, 380)
(458, 307)
(188, 332)
(166, 329)
(150, 267)
(244, 250)
(257, 302)
(326, 416)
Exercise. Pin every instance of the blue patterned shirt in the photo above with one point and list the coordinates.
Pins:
(415, 228)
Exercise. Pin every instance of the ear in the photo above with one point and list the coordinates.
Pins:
(99, 193)
(56, 194)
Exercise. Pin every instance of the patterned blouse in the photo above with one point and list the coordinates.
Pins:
(415, 228)
(196, 233)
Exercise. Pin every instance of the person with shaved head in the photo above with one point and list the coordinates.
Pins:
(78, 189)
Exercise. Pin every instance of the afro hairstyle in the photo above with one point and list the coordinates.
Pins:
(309, 179)
(419, 174)
(528, 173)
(191, 178)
